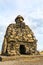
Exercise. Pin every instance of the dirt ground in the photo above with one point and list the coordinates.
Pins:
(21, 63)
(23, 60)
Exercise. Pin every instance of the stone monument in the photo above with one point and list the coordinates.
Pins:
(19, 39)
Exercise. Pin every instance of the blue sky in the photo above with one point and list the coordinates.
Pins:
(31, 10)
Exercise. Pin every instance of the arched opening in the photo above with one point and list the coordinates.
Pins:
(22, 49)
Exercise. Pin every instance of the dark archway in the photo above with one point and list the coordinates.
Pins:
(22, 49)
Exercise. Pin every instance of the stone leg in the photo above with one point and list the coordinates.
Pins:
(17, 51)
(11, 51)
(27, 50)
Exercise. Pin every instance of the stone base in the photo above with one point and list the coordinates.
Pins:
(22, 58)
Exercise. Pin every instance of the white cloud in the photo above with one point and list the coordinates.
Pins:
(37, 14)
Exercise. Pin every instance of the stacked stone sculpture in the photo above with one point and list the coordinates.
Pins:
(19, 39)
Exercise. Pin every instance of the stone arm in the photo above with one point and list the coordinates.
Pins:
(4, 46)
(29, 31)
(5, 43)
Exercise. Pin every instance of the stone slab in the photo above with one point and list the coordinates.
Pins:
(22, 58)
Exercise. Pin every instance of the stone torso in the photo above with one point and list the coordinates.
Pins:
(16, 33)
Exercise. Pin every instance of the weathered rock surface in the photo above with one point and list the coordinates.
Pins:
(19, 39)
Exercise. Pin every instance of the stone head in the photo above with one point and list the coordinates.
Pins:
(19, 19)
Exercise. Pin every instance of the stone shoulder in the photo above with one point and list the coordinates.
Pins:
(11, 25)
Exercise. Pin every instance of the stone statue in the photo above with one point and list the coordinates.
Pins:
(19, 39)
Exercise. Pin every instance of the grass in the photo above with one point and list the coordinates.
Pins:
(0, 52)
(41, 52)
